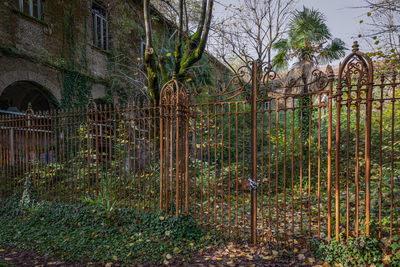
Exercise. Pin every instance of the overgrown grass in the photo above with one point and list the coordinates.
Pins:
(100, 233)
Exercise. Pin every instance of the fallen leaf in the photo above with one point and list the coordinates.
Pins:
(232, 256)
(386, 259)
(168, 256)
(219, 259)
(115, 257)
(2, 250)
(301, 257)
(162, 218)
(310, 260)
(275, 253)
(166, 262)
(109, 264)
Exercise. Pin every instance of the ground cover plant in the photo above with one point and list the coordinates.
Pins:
(95, 232)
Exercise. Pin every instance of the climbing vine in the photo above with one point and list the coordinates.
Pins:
(77, 87)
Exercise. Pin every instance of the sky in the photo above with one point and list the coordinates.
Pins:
(343, 16)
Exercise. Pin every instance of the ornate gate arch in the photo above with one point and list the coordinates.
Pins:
(174, 148)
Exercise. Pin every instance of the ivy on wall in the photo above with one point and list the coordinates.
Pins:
(76, 86)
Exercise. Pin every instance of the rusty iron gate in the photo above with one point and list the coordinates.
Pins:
(277, 159)
(266, 158)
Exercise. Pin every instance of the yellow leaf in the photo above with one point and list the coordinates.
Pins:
(189, 80)
(2, 250)
(310, 261)
(169, 54)
(139, 59)
(219, 259)
(115, 257)
(386, 259)
(232, 256)
(162, 218)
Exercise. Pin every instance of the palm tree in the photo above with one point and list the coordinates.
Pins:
(309, 41)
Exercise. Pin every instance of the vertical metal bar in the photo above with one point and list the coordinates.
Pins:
(162, 167)
(186, 155)
(368, 129)
(309, 166)
(255, 72)
(177, 158)
(357, 157)
(329, 169)
(348, 104)
(392, 212)
(337, 166)
(381, 101)
(319, 167)
(229, 168)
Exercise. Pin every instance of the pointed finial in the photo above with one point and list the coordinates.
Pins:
(329, 71)
(355, 47)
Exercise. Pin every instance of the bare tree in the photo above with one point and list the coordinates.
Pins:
(252, 29)
(382, 30)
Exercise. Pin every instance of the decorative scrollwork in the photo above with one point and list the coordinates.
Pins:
(288, 85)
(238, 82)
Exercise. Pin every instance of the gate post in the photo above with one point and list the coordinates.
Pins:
(253, 182)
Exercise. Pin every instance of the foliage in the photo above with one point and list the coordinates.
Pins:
(307, 40)
(381, 28)
(95, 231)
(357, 251)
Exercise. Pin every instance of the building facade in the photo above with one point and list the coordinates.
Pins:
(59, 53)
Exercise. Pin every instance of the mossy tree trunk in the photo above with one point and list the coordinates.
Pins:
(189, 48)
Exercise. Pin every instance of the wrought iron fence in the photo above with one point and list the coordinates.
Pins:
(268, 158)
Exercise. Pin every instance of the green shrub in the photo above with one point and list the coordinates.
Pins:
(358, 252)
(97, 231)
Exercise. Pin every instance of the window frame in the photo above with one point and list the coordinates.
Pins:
(102, 21)
(31, 5)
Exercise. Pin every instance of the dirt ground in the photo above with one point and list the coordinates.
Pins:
(228, 255)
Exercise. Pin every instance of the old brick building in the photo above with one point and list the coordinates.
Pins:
(59, 52)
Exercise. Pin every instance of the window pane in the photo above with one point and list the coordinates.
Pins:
(26, 7)
(100, 26)
(35, 9)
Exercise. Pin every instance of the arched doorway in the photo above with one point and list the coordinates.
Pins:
(18, 95)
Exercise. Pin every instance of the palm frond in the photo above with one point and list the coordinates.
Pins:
(333, 51)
